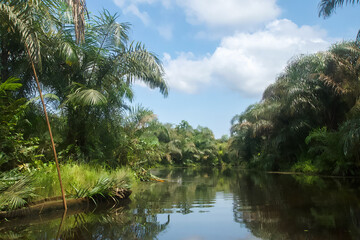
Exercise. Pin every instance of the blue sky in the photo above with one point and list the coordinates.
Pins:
(219, 55)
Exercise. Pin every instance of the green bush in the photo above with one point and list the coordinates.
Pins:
(77, 178)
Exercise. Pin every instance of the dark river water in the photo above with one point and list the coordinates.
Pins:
(196, 204)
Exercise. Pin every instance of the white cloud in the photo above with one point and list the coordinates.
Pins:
(246, 62)
(133, 9)
(230, 13)
(185, 73)
(122, 3)
(165, 31)
(119, 3)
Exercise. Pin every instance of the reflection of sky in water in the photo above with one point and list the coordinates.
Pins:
(213, 204)
(214, 222)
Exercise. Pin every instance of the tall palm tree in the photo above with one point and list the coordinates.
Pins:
(100, 78)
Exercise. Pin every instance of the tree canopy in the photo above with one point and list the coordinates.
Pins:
(307, 119)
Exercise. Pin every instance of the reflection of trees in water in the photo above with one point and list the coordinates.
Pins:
(184, 190)
(118, 223)
(270, 206)
(300, 207)
(125, 226)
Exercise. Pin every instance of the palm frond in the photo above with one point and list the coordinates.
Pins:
(10, 84)
(351, 136)
(136, 63)
(16, 193)
(47, 95)
(19, 16)
(262, 126)
(327, 7)
(110, 33)
(341, 72)
(86, 97)
(104, 187)
(67, 48)
(355, 110)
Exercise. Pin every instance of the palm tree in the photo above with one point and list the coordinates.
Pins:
(99, 79)
(138, 144)
(290, 108)
(342, 70)
(92, 79)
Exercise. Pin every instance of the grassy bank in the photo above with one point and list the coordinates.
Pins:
(21, 186)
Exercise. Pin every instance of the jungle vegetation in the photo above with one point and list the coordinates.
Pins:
(86, 76)
(88, 90)
(308, 120)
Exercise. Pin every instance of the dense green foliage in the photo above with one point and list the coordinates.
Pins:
(146, 142)
(21, 186)
(183, 145)
(88, 90)
(308, 120)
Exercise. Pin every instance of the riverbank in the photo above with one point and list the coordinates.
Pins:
(25, 186)
(55, 205)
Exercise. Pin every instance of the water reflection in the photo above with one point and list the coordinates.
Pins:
(213, 204)
(297, 207)
(115, 223)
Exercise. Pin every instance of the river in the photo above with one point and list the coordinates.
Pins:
(197, 204)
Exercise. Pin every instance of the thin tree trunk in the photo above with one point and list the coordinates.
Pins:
(61, 224)
(49, 128)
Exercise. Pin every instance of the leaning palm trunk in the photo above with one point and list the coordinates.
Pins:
(49, 127)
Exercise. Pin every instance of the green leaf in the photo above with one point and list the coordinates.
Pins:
(10, 85)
